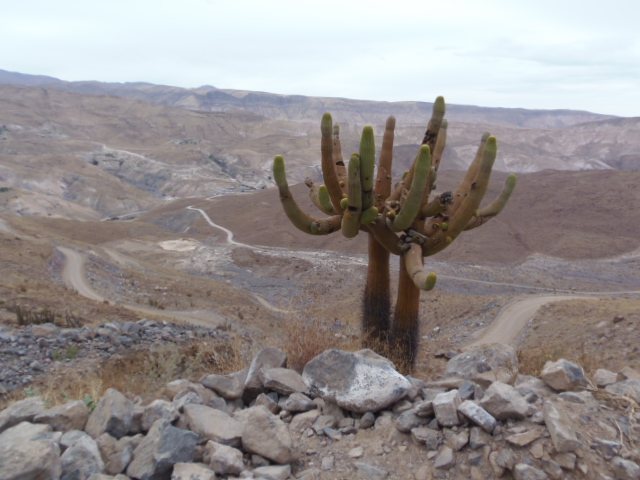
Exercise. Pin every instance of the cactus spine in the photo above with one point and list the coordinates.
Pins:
(403, 221)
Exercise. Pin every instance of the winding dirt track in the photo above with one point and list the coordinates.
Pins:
(73, 277)
(513, 317)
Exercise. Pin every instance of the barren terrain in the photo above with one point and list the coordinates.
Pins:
(118, 208)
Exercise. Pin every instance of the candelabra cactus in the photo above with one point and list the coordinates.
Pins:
(403, 221)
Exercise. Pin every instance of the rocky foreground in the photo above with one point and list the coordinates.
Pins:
(349, 415)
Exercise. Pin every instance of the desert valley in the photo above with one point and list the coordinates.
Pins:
(125, 204)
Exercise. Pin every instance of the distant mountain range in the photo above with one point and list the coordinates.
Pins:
(94, 149)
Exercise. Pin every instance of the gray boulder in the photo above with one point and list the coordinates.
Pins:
(268, 436)
(564, 375)
(283, 380)
(112, 415)
(359, 382)
(222, 459)
(21, 411)
(155, 411)
(64, 418)
(164, 446)
(212, 424)
(27, 452)
(482, 359)
(81, 459)
(503, 401)
(264, 360)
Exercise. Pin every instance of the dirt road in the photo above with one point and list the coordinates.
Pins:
(73, 277)
(514, 316)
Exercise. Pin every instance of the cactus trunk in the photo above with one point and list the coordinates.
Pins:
(405, 332)
(376, 304)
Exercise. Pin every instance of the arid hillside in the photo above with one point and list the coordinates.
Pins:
(554, 213)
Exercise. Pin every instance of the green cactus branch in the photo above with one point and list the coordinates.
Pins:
(298, 218)
(415, 269)
(328, 164)
(495, 207)
(411, 206)
(403, 221)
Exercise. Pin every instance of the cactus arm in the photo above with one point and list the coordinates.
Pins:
(495, 207)
(299, 218)
(383, 180)
(367, 165)
(441, 143)
(411, 206)
(319, 196)
(384, 236)
(351, 216)
(435, 122)
(415, 269)
(338, 161)
(328, 168)
(460, 194)
(467, 209)
(325, 201)
(438, 205)
(430, 137)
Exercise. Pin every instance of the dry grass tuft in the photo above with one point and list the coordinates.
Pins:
(147, 372)
(533, 360)
(306, 338)
(138, 372)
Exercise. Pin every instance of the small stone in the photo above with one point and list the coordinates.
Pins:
(477, 415)
(356, 452)
(428, 437)
(523, 439)
(625, 469)
(456, 440)
(371, 472)
(506, 459)
(298, 402)
(603, 378)
(445, 459)
(222, 459)
(566, 460)
(478, 438)
(190, 471)
(327, 463)
(409, 420)
(537, 450)
(445, 406)
(275, 472)
(367, 420)
(608, 448)
(523, 471)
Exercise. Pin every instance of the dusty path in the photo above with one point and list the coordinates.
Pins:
(73, 277)
(513, 317)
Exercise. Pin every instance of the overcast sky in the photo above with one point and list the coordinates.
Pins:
(548, 54)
